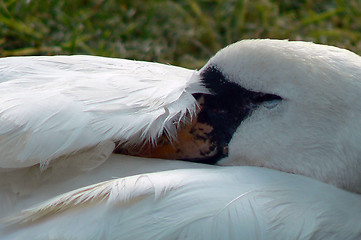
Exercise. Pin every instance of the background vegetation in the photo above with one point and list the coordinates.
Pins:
(183, 32)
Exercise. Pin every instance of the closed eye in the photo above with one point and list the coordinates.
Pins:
(267, 100)
(271, 103)
(265, 97)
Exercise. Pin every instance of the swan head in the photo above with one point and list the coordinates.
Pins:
(287, 105)
(291, 106)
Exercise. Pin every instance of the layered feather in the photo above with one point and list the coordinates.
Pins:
(54, 106)
(222, 203)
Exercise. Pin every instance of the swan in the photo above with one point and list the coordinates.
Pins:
(290, 106)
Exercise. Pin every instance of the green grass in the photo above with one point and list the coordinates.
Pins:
(184, 33)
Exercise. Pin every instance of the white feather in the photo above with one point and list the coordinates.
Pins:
(222, 203)
(52, 106)
(26, 187)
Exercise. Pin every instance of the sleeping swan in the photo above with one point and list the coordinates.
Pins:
(290, 106)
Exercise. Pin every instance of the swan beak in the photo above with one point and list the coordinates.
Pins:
(195, 142)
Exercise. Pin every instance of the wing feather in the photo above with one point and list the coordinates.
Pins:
(53, 106)
(218, 203)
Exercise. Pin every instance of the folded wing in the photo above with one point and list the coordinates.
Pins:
(56, 106)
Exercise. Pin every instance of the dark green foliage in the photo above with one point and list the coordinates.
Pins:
(183, 32)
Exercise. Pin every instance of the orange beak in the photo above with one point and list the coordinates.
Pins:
(193, 142)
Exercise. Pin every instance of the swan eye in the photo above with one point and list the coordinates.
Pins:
(269, 101)
(271, 104)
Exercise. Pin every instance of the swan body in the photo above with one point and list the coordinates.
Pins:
(27, 187)
(218, 203)
(289, 106)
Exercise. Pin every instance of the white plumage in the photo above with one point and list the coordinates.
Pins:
(221, 203)
(61, 116)
(65, 113)
(52, 106)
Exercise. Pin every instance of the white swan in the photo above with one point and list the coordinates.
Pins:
(291, 106)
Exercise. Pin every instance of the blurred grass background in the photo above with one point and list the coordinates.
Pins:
(184, 32)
